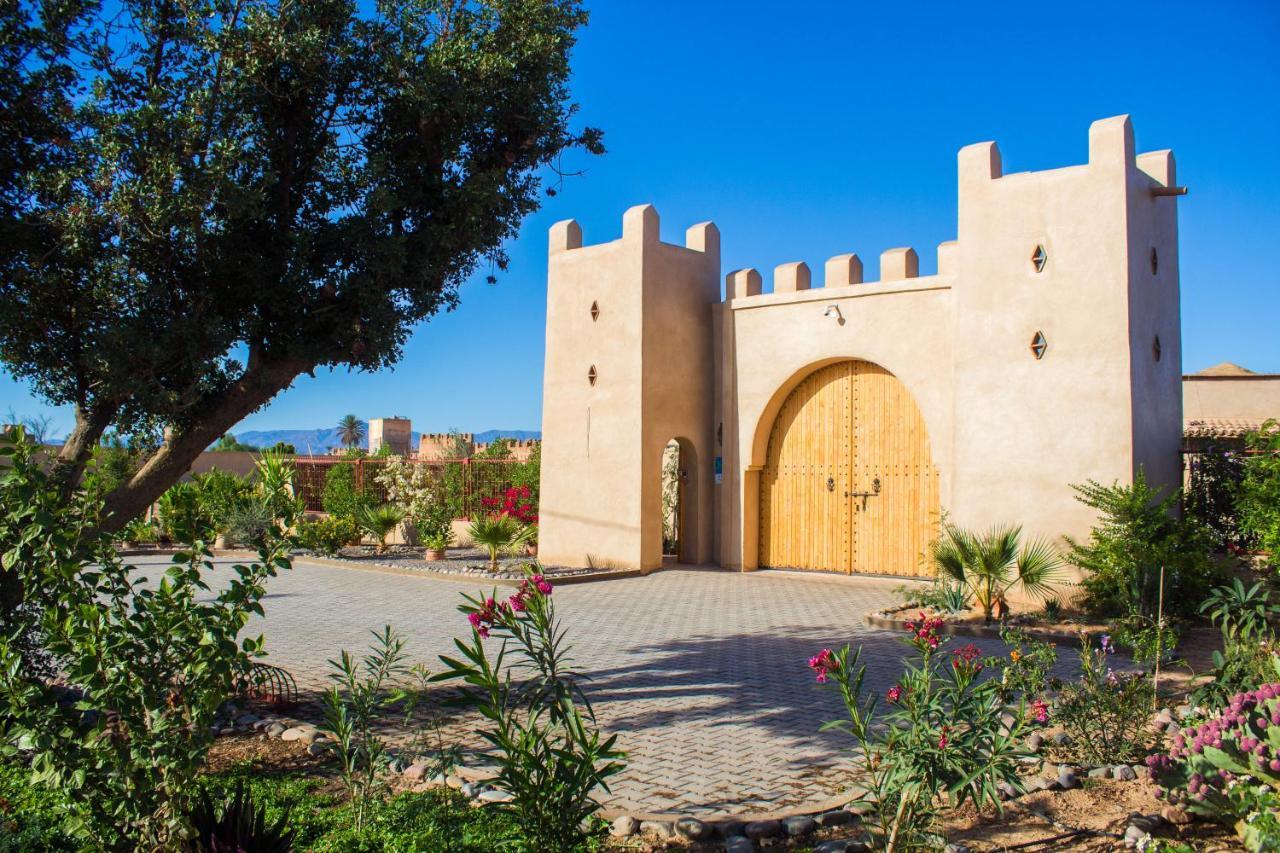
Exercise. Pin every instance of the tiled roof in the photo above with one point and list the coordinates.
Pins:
(1220, 427)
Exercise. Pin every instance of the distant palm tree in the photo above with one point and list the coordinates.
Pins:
(350, 431)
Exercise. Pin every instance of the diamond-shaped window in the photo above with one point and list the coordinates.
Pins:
(1039, 258)
(1039, 344)
(595, 311)
(592, 375)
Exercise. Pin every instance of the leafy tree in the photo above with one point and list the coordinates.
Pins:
(1138, 532)
(341, 497)
(229, 443)
(1259, 495)
(499, 448)
(283, 448)
(200, 201)
(351, 431)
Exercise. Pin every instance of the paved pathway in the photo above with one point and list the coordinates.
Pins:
(701, 672)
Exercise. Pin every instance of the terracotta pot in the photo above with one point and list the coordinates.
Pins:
(435, 555)
(531, 550)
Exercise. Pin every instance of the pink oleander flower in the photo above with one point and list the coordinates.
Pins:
(823, 663)
(1040, 711)
(894, 694)
(543, 585)
(477, 622)
(943, 741)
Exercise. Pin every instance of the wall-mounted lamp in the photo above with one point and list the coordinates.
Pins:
(834, 311)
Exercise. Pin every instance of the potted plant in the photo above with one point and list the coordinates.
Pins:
(437, 546)
(436, 530)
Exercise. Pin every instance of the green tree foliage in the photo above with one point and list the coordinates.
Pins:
(1213, 492)
(229, 443)
(145, 665)
(1259, 501)
(1139, 531)
(301, 182)
(341, 497)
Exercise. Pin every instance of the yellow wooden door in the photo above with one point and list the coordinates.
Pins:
(848, 483)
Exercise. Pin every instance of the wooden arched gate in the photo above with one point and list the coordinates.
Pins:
(848, 482)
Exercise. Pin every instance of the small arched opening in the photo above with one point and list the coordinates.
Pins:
(678, 496)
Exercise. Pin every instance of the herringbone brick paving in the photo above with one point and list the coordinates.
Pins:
(702, 673)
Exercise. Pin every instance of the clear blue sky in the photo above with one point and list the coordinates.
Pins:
(808, 130)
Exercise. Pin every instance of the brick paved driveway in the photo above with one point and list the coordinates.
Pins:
(702, 673)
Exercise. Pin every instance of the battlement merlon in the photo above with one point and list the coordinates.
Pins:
(1111, 147)
(640, 225)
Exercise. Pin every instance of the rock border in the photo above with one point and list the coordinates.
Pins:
(460, 577)
(892, 620)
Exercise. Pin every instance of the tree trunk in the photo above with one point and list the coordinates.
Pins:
(77, 450)
(166, 465)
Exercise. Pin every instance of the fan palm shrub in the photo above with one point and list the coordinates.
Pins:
(496, 533)
(991, 563)
(380, 521)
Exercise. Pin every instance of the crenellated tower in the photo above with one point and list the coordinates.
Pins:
(628, 368)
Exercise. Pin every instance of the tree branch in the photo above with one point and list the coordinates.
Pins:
(173, 458)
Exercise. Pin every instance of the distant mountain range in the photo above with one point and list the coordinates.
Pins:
(319, 441)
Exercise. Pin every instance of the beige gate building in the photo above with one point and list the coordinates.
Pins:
(828, 427)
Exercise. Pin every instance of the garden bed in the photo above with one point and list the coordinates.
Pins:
(973, 624)
(470, 563)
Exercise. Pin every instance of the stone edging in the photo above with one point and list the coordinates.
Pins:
(514, 583)
(890, 620)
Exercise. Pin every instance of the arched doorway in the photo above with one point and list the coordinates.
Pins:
(678, 501)
(848, 482)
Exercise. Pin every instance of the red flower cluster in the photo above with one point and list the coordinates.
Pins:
(925, 629)
(520, 601)
(1040, 711)
(943, 741)
(487, 616)
(967, 656)
(482, 620)
(823, 663)
(894, 694)
(515, 503)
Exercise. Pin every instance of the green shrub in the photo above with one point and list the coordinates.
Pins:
(340, 497)
(1150, 640)
(988, 565)
(140, 530)
(328, 535)
(151, 662)
(1213, 495)
(943, 595)
(1030, 663)
(551, 757)
(221, 495)
(1105, 712)
(1259, 495)
(1139, 532)
(942, 741)
(31, 816)
(238, 823)
(183, 516)
(1249, 644)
